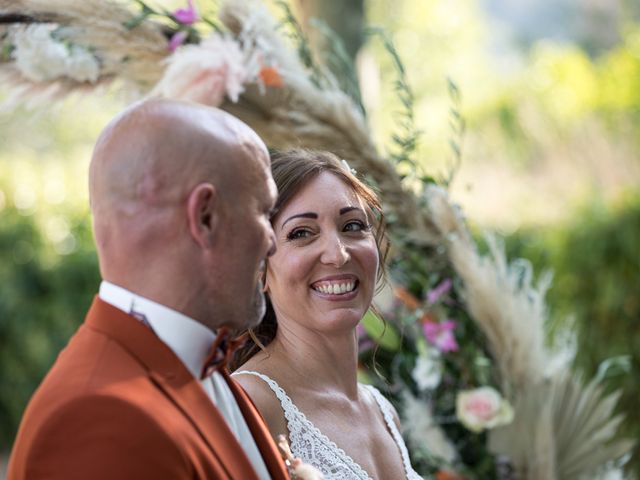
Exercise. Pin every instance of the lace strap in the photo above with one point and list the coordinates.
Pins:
(387, 411)
(285, 401)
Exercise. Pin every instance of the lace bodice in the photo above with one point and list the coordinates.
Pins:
(312, 446)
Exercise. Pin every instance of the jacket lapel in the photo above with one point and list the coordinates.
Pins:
(269, 450)
(170, 375)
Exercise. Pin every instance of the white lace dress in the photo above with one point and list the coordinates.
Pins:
(312, 446)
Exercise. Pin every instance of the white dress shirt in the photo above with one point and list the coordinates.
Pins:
(191, 342)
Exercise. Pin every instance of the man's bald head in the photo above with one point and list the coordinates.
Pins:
(146, 166)
(154, 152)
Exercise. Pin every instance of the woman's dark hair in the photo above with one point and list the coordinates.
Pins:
(292, 170)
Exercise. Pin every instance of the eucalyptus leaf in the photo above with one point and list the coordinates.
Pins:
(382, 333)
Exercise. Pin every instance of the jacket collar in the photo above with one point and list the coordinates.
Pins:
(170, 375)
(190, 340)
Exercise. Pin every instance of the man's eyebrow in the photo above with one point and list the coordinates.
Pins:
(300, 215)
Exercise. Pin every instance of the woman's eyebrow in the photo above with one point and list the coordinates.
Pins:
(300, 215)
(314, 215)
(349, 209)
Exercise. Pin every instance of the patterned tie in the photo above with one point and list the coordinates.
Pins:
(221, 351)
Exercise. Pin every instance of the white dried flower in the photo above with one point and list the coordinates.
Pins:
(40, 57)
(205, 73)
(428, 370)
(482, 408)
(82, 66)
(422, 431)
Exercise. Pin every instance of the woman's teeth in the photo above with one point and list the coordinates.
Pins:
(335, 288)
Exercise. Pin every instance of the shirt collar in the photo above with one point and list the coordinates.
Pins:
(187, 338)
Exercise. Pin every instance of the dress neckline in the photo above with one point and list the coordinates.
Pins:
(291, 411)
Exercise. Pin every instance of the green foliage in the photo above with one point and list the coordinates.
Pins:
(339, 63)
(300, 40)
(406, 137)
(384, 335)
(467, 367)
(596, 264)
(43, 299)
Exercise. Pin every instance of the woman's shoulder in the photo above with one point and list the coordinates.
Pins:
(383, 403)
(263, 391)
(259, 385)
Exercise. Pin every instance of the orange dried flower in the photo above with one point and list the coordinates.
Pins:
(271, 77)
(448, 475)
(406, 298)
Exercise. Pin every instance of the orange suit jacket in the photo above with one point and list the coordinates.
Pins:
(119, 404)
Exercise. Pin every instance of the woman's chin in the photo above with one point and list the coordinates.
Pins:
(342, 319)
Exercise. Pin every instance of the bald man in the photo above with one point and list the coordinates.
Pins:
(181, 196)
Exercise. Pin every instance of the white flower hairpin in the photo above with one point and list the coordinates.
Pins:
(349, 169)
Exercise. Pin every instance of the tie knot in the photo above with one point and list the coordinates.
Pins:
(221, 350)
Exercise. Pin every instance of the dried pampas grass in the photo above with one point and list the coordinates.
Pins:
(500, 296)
(561, 429)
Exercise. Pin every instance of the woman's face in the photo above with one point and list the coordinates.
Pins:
(323, 273)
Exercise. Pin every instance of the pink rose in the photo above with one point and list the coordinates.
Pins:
(482, 408)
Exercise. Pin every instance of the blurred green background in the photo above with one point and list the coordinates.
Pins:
(551, 99)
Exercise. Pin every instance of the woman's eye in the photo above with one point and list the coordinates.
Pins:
(355, 226)
(298, 233)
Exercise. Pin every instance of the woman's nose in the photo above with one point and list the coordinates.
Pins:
(335, 252)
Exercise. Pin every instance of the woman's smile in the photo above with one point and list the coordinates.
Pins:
(336, 287)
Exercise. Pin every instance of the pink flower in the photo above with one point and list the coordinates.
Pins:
(177, 39)
(442, 288)
(440, 335)
(187, 16)
(482, 408)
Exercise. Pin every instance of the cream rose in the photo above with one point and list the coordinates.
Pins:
(482, 408)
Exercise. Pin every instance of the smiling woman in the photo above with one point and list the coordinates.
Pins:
(292, 171)
(301, 369)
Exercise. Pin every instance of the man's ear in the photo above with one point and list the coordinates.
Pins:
(203, 214)
(265, 281)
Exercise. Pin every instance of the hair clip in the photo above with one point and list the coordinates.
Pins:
(349, 169)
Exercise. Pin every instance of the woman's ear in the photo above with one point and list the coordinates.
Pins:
(203, 214)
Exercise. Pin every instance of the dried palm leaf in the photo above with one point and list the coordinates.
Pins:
(585, 426)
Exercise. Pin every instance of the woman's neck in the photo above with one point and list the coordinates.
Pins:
(316, 361)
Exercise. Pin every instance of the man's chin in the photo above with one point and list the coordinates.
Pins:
(259, 315)
(257, 312)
